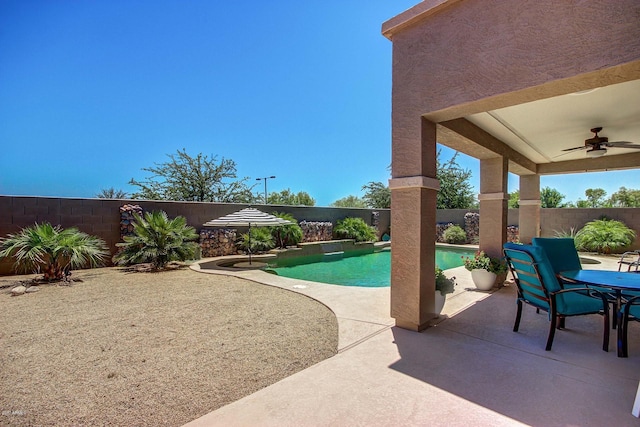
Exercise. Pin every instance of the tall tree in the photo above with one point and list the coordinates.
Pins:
(625, 198)
(377, 195)
(111, 193)
(514, 200)
(197, 179)
(595, 197)
(287, 197)
(349, 202)
(551, 198)
(456, 191)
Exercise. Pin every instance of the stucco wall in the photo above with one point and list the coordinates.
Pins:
(101, 217)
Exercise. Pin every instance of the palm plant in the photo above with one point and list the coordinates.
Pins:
(286, 235)
(158, 240)
(604, 236)
(54, 251)
(260, 240)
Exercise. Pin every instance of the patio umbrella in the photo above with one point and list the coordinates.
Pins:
(247, 217)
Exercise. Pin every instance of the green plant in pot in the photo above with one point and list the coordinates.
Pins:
(484, 269)
(444, 286)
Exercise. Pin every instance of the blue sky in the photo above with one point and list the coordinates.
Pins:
(92, 92)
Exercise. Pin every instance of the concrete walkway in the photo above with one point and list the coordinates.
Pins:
(469, 369)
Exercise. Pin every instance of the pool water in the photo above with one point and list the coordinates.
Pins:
(372, 270)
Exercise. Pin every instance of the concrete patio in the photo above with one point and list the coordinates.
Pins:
(469, 369)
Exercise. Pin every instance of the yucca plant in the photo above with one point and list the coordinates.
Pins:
(604, 236)
(286, 235)
(53, 251)
(158, 240)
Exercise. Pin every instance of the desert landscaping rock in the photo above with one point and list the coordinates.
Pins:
(18, 290)
(32, 289)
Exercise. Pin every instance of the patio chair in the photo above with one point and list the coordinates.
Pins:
(538, 286)
(631, 259)
(563, 256)
(630, 310)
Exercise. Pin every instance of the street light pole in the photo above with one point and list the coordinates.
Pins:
(265, 186)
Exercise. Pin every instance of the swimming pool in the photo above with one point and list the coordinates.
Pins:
(372, 270)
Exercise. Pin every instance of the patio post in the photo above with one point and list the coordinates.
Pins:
(413, 223)
(493, 204)
(529, 211)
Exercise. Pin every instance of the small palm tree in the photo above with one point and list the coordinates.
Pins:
(604, 236)
(286, 235)
(53, 250)
(158, 240)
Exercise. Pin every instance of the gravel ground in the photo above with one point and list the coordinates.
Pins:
(149, 349)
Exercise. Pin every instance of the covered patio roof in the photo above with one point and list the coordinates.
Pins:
(549, 109)
(512, 84)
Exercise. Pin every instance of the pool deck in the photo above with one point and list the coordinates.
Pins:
(469, 369)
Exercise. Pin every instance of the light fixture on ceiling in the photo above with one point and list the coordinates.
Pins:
(596, 152)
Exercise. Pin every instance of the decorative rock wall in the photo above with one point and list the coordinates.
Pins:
(472, 226)
(218, 242)
(126, 219)
(316, 231)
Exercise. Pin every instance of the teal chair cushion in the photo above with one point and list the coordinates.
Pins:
(561, 252)
(567, 303)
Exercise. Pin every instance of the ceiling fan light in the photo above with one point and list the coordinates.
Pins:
(596, 152)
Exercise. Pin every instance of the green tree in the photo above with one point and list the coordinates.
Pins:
(514, 200)
(52, 251)
(111, 193)
(551, 198)
(456, 191)
(595, 197)
(158, 240)
(377, 195)
(287, 197)
(349, 202)
(197, 179)
(625, 198)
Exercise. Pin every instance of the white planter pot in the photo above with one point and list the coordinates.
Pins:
(483, 279)
(440, 299)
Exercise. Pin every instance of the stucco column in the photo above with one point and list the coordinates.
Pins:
(529, 211)
(413, 225)
(493, 204)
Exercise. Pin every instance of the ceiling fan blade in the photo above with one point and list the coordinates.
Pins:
(622, 144)
(582, 147)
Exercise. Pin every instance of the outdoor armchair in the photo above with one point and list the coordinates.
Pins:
(538, 286)
(631, 309)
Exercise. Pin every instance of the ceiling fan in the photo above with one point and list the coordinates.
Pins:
(597, 146)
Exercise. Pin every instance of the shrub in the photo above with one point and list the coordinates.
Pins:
(604, 236)
(261, 240)
(158, 240)
(286, 235)
(443, 283)
(455, 235)
(354, 228)
(53, 250)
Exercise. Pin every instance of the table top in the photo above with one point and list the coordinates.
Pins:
(606, 278)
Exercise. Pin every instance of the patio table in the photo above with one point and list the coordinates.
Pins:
(616, 281)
